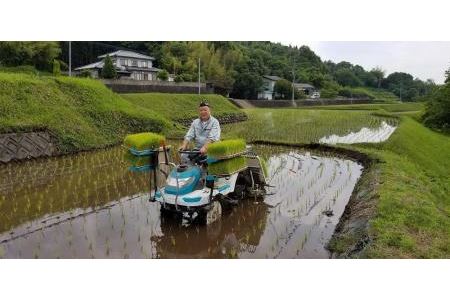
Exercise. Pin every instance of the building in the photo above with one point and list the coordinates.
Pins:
(268, 87)
(306, 88)
(128, 64)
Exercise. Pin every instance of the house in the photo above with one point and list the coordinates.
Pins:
(268, 87)
(128, 64)
(306, 88)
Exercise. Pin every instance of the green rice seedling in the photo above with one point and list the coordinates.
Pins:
(144, 141)
(228, 166)
(264, 167)
(226, 148)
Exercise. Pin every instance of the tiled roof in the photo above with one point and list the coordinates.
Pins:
(128, 54)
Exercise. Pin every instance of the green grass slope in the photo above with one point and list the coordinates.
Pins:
(81, 113)
(181, 106)
(413, 213)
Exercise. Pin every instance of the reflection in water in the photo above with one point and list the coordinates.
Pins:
(365, 135)
(112, 218)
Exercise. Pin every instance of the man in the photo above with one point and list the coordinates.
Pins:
(203, 131)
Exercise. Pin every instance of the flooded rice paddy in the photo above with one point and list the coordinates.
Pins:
(89, 206)
(364, 135)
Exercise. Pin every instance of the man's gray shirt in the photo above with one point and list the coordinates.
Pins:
(200, 131)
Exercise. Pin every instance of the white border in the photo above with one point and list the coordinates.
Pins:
(316, 20)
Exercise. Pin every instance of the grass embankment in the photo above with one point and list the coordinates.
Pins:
(81, 113)
(380, 95)
(413, 213)
(409, 181)
(181, 106)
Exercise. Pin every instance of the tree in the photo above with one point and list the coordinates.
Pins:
(346, 77)
(163, 75)
(437, 113)
(38, 54)
(108, 70)
(401, 84)
(283, 90)
(247, 82)
(379, 73)
(316, 78)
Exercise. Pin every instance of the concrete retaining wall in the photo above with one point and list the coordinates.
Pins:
(17, 146)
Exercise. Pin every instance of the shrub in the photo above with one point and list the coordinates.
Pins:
(437, 113)
(355, 93)
(186, 77)
(85, 74)
(284, 89)
(329, 93)
(109, 71)
(330, 90)
(163, 75)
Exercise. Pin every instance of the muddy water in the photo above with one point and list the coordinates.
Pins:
(365, 135)
(90, 206)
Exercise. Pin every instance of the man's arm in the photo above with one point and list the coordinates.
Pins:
(188, 137)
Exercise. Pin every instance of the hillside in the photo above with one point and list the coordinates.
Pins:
(181, 106)
(80, 113)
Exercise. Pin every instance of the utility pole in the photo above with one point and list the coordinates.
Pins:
(293, 87)
(199, 75)
(70, 59)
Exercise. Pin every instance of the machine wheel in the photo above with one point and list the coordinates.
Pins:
(168, 215)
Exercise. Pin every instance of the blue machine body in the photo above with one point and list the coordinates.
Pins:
(188, 180)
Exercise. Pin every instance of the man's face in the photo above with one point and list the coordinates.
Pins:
(204, 113)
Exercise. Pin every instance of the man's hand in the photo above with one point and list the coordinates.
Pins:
(183, 146)
(203, 150)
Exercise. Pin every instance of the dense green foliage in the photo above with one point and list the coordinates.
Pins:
(283, 90)
(108, 70)
(38, 54)
(236, 68)
(163, 75)
(437, 114)
(80, 113)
